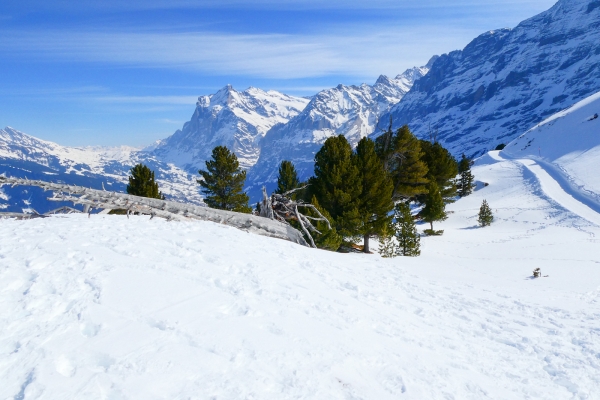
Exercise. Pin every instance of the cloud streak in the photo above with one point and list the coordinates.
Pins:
(362, 52)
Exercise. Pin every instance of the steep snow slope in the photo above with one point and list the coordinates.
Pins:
(507, 80)
(352, 111)
(229, 118)
(568, 143)
(22, 155)
(113, 308)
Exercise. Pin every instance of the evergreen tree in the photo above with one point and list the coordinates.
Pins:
(409, 240)
(375, 202)
(401, 155)
(434, 209)
(442, 168)
(388, 248)
(287, 178)
(141, 183)
(329, 239)
(485, 214)
(337, 186)
(465, 181)
(223, 182)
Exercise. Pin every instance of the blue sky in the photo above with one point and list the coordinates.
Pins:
(129, 72)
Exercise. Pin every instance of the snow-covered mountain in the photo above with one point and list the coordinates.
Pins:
(353, 111)
(507, 80)
(238, 120)
(25, 156)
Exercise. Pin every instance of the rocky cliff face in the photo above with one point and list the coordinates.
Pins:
(352, 111)
(505, 81)
(238, 120)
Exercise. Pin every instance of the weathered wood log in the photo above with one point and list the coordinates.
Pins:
(170, 210)
(282, 208)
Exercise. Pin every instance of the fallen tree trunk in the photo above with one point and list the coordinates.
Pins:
(170, 210)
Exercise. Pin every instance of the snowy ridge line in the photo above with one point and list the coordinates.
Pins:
(557, 185)
(169, 210)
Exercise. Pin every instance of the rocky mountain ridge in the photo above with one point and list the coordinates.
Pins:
(507, 80)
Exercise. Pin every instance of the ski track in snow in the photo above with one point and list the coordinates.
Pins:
(559, 188)
(114, 308)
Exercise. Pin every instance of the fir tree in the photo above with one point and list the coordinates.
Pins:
(223, 182)
(465, 181)
(407, 236)
(287, 178)
(434, 209)
(442, 168)
(388, 248)
(141, 183)
(401, 155)
(485, 214)
(329, 239)
(375, 202)
(337, 186)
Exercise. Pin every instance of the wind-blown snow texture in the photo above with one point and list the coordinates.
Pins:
(24, 156)
(107, 307)
(507, 80)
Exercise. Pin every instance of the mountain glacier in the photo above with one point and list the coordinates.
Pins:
(505, 81)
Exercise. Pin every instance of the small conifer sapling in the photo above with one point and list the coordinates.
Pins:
(223, 182)
(288, 177)
(465, 180)
(435, 209)
(407, 236)
(485, 214)
(141, 183)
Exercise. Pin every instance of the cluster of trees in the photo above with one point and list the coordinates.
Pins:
(365, 192)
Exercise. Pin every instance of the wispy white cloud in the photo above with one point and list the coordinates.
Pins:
(362, 52)
(274, 4)
(166, 100)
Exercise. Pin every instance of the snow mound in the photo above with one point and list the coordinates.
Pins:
(117, 308)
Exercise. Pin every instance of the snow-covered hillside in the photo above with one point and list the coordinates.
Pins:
(568, 143)
(238, 120)
(507, 80)
(106, 307)
(22, 155)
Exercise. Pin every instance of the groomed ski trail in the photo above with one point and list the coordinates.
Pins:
(558, 187)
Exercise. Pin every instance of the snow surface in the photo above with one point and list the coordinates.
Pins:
(115, 308)
(568, 145)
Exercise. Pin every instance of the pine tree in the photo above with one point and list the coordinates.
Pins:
(485, 214)
(329, 239)
(141, 183)
(409, 240)
(388, 248)
(434, 209)
(375, 202)
(287, 178)
(465, 181)
(223, 182)
(337, 186)
(442, 168)
(401, 155)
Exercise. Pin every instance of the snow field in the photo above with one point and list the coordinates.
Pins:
(115, 308)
